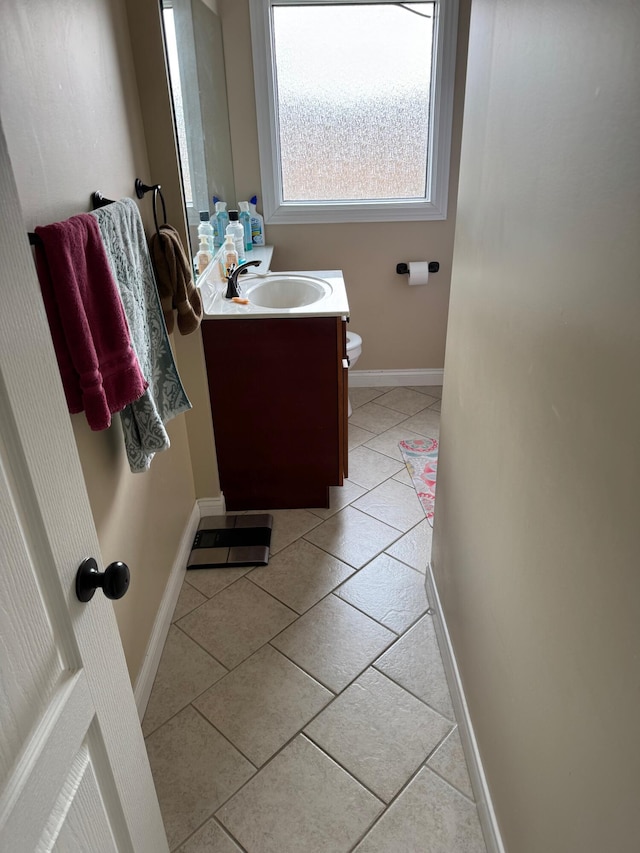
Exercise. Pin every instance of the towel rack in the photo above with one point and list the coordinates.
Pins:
(142, 189)
(97, 200)
(100, 200)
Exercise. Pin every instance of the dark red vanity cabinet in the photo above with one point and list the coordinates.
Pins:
(278, 391)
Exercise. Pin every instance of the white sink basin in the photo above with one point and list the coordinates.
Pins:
(285, 291)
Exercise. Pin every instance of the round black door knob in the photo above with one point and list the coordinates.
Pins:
(114, 581)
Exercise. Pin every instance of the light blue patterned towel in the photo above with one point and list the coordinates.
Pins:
(142, 421)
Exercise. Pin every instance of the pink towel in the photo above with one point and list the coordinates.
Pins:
(99, 369)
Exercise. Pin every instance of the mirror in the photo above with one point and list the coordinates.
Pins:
(193, 37)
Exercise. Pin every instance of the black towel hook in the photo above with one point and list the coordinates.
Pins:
(98, 200)
(143, 189)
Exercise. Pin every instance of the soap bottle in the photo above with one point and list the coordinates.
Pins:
(229, 255)
(222, 219)
(205, 229)
(245, 220)
(257, 223)
(205, 254)
(236, 230)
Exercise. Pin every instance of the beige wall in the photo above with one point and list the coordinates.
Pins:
(71, 114)
(537, 536)
(402, 327)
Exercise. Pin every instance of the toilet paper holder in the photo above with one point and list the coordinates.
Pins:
(403, 269)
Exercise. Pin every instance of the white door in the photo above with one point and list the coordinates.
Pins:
(74, 774)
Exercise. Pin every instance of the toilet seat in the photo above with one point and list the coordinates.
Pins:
(354, 342)
(354, 350)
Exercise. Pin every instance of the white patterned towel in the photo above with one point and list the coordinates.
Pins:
(142, 421)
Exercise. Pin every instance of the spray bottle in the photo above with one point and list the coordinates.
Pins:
(257, 223)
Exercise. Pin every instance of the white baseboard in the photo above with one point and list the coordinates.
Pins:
(486, 813)
(383, 378)
(211, 506)
(153, 653)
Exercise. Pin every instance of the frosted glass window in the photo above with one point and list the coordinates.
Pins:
(353, 91)
(354, 101)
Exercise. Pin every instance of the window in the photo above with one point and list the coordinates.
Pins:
(171, 42)
(354, 101)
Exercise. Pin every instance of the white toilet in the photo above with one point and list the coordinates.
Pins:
(354, 348)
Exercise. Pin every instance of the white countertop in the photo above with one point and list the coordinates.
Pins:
(335, 304)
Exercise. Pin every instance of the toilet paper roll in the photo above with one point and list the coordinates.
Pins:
(418, 272)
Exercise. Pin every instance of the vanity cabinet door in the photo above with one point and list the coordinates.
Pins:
(343, 394)
(277, 390)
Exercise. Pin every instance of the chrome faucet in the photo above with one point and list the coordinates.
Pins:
(232, 278)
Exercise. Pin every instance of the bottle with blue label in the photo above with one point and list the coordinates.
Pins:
(222, 220)
(257, 223)
(245, 221)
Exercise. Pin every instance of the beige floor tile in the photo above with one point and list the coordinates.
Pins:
(188, 600)
(431, 390)
(393, 503)
(185, 672)
(212, 581)
(301, 801)
(414, 662)
(426, 422)
(236, 622)
(387, 442)
(403, 477)
(414, 548)
(388, 591)
(289, 525)
(378, 732)
(210, 838)
(353, 537)
(333, 642)
(405, 400)
(301, 575)
(375, 418)
(339, 498)
(436, 406)
(368, 468)
(358, 436)
(263, 703)
(429, 816)
(360, 396)
(449, 762)
(195, 770)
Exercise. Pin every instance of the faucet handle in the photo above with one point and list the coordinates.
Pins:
(232, 277)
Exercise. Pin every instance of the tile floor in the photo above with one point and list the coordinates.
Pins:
(302, 706)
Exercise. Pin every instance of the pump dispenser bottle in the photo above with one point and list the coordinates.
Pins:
(229, 255)
(204, 256)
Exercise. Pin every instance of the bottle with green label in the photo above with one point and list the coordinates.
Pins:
(257, 223)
